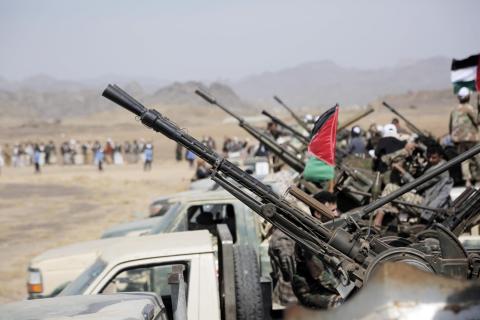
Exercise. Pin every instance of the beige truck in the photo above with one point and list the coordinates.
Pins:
(206, 284)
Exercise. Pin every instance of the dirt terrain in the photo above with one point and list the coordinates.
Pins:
(67, 204)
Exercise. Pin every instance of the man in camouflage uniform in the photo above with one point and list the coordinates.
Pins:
(433, 193)
(463, 128)
(313, 282)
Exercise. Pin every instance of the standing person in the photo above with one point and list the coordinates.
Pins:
(463, 128)
(141, 150)
(356, 145)
(29, 150)
(135, 151)
(65, 150)
(7, 155)
(117, 154)
(84, 151)
(42, 154)
(16, 155)
(148, 155)
(52, 153)
(190, 156)
(109, 151)
(99, 155)
(37, 158)
(74, 152)
(47, 153)
(87, 150)
(127, 149)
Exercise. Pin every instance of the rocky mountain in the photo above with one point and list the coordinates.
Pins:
(309, 85)
(45, 102)
(183, 94)
(325, 83)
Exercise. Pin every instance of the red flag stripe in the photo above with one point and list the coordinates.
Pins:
(324, 142)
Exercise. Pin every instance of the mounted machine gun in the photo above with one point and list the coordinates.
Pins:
(350, 253)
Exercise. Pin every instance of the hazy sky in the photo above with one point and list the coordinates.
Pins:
(206, 40)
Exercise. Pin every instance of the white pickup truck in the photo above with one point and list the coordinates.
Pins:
(227, 286)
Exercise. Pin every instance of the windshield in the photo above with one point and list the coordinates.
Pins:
(160, 207)
(164, 225)
(81, 283)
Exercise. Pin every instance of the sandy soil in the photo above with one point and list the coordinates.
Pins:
(64, 205)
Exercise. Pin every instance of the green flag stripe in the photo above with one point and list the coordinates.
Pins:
(460, 84)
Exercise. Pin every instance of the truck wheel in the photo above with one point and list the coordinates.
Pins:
(248, 290)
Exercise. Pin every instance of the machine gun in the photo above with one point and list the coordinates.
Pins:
(282, 124)
(347, 251)
(290, 159)
(464, 213)
(294, 115)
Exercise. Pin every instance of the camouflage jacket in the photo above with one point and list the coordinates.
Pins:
(314, 283)
(463, 124)
(281, 250)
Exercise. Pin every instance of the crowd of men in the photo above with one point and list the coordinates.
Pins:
(74, 152)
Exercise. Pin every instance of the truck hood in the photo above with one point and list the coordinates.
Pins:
(134, 228)
(70, 256)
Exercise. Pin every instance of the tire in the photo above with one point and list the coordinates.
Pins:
(248, 291)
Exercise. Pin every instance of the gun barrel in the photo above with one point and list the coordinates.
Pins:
(417, 182)
(278, 100)
(120, 97)
(210, 99)
(413, 127)
(296, 133)
(297, 118)
(355, 118)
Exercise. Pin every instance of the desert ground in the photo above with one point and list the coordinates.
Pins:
(67, 204)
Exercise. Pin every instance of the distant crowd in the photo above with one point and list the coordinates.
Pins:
(76, 153)
(100, 153)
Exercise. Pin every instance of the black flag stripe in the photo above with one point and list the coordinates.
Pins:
(469, 62)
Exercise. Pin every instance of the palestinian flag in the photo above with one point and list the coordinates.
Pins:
(466, 73)
(324, 136)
